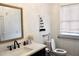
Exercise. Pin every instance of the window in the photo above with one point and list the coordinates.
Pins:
(69, 20)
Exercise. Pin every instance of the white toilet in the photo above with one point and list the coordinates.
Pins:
(57, 51)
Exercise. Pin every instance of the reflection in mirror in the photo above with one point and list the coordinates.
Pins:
(10, 22)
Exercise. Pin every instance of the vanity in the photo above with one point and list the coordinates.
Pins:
(33, 49)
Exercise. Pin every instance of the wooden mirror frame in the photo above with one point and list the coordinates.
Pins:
(6, 5)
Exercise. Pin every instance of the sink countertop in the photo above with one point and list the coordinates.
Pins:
(24, 50)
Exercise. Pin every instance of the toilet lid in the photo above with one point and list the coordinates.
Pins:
(59, 51)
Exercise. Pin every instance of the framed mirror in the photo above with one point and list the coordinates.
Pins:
(11, 22)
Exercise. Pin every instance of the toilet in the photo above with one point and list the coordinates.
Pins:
(57, 51)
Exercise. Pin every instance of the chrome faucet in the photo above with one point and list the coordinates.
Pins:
(16, 44)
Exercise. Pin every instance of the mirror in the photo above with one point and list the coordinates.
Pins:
(11, 26)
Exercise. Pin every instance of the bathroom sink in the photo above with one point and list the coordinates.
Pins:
(16, 52)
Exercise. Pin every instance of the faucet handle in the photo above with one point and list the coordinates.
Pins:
(10, 47)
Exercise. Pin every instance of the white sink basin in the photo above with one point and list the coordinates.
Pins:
(16, 52)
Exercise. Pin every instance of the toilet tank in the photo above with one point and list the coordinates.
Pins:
(52, 44)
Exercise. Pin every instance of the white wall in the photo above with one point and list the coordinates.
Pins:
(44, 11)
(34, 11)
(31, 14)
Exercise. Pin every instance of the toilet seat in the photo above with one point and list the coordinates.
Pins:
(60, 51)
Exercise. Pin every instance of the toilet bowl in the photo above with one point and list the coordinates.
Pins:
(57, 51)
